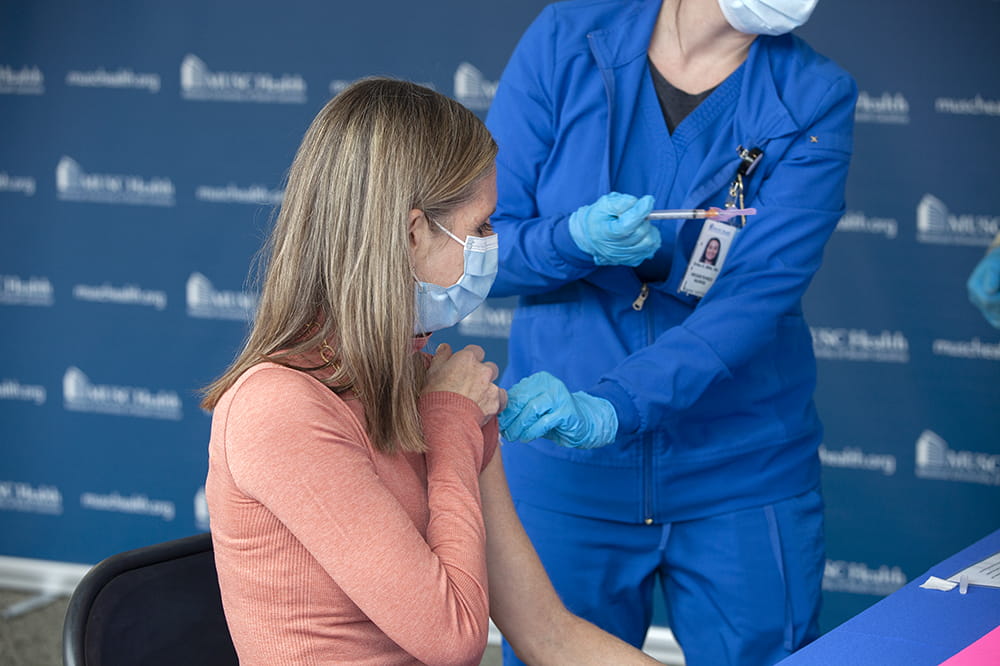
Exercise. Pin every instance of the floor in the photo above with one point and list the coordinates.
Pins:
(34, 637)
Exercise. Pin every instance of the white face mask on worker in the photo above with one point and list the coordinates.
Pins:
(767, 17)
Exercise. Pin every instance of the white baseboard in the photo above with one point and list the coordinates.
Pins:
(660, 645)
(42, 576)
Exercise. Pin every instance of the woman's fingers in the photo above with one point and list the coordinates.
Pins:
(467, 373)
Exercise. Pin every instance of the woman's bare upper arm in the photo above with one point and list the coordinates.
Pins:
(522, 598)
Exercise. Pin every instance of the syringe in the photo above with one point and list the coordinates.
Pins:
(713, 213)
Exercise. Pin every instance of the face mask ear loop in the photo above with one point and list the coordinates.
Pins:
(453, 236)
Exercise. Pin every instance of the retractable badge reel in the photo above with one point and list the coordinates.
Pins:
(716, 235)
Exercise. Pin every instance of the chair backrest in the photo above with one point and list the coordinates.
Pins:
(154, 605)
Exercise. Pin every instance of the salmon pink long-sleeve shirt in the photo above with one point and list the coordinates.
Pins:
(329, 551)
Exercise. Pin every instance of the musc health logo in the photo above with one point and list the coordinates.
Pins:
(206, 302)
(128, 294)
(29, 498)
(338, 86)
(972, 106)
(199, 83)
(472, 89)
(935, 224)
(75, 184)
(136, 504)
(21, 81)
(974, 349)
(858, 222)
(123, 78)
(859, 578)
(936, 460)
(201, 518)
(852, 457)
(23, 184)
(81, 395)
(259, 195)
(15, 290)
(887, 108)
(855, 344)
(487, 321)
(12, 389)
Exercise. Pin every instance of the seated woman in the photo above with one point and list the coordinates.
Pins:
(359, 508)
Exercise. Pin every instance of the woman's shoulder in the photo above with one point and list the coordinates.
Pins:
(270, 397)
(272, 385)
(269, 375)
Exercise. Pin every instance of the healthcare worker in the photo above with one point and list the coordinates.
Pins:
(666, 404)
(984, 284)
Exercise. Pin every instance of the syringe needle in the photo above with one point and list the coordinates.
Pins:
(713, 213)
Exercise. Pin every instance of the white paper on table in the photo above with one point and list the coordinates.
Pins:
(985, 572)
(935, 583)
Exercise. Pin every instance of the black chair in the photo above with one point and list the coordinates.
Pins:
(153, 606)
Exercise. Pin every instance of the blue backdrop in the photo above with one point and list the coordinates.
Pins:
(142, 151)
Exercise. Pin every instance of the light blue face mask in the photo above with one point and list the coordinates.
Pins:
(767, 17)
(440, 307)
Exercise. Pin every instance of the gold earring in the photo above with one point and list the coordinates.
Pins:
(322, 352)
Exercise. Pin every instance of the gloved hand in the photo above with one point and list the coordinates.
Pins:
(541, 406)
(984, 287)
(615, 231)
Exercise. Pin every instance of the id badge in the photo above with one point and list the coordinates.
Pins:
(708, 256)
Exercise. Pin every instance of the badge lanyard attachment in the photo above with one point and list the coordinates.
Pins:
(717, 234)
(749, 159)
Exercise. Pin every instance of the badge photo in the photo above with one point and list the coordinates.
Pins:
(708, 257)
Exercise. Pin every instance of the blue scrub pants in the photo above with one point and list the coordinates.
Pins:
(741, 588)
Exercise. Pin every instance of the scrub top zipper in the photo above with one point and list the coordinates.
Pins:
(647, 439)
(640, 300)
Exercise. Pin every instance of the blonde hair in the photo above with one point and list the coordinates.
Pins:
(336, 268)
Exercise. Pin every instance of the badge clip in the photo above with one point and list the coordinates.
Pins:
(749, 160)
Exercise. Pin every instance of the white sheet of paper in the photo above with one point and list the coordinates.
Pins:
(985, 572)
(935, 583)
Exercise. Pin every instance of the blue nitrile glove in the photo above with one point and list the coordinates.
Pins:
(541, 406)
(615, 231)
(984, 287)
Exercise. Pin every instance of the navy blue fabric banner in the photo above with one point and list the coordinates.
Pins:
(142, 152)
